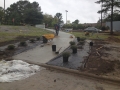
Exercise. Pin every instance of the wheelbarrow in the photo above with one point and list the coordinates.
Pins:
(47, 37)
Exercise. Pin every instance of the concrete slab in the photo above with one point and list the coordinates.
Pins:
(44, 54)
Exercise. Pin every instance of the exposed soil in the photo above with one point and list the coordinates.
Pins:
(6, 54)
(113, 39)
(104, 58)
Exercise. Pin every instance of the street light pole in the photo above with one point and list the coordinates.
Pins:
(4, 7)
(3, 18)
(66, 16)
(112, 18)
(101, 14)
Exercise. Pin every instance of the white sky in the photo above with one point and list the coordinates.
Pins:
(83, 10)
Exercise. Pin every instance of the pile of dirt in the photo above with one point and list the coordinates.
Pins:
(99, 66)
(100, 60)
(113, 39)
(6, 54)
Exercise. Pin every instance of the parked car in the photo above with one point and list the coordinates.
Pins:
(92, 29)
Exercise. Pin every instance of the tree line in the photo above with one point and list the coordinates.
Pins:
(111, 10)
(24, 12)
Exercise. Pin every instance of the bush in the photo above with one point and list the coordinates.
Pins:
(82, 39)
(104, 28)
(66, 54)
(73, 47)
(23, 43)
(38, 38)
(81, 43)
(32, 40)
(72, 43)
(11, 47)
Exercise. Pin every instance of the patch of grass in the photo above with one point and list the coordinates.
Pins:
(93, 36)
(15, 27)
(24, 31)
(117, 37)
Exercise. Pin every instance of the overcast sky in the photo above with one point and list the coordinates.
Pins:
(83, 10)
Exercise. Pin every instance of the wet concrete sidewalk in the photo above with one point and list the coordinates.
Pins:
(44, 54)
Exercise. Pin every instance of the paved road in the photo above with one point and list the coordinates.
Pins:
(44, 54)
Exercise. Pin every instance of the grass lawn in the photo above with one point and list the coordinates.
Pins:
(8, 33)
(94, 35)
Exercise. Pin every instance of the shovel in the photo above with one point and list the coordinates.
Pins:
(57, 52)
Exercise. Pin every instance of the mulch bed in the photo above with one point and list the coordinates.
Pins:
(17, 39)
(7, 54)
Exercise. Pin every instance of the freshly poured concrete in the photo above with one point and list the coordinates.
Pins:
(44, 54)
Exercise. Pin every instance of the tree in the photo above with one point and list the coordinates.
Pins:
(24, 12)
(33, 17)
(116, 17)
(109, 5)
(59, 17)
(16, 11)
(76, 21)
(76, 25)
(1, 14)
(48, 19)
(54, 21)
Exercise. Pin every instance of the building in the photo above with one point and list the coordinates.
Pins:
(116, 25)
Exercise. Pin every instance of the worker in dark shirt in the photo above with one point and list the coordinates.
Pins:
(57, 29)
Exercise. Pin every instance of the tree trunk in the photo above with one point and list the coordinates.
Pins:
(111, 32)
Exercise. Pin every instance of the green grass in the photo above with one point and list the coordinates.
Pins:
(15, 31)
(102, 36)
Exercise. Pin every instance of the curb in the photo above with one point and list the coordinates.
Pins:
(80, 73)
(83, 74)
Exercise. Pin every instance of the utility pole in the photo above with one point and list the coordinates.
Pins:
(111, 32)
(4, 7)
(3, 19)
(66, 16)
(101, 14)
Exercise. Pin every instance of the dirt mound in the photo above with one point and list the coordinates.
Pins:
(99, 66)
(113, 39)
(103, 58)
